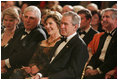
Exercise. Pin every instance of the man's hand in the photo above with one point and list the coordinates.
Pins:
(109, 74)
(3, 70)
(90, 72)
(35, 77)
(34, 69)
(3, 64)
(44, 78)
(27, 69)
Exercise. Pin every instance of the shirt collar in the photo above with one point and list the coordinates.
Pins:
(69, 37)
(27, 31)
(87, 29)
(112, 32)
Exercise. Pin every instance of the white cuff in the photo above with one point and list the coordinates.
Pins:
(98, 69)
(40, 75)
(7, 63)
(89, 67)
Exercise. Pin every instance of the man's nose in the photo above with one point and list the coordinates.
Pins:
(27, 20)
(103, 19)
(62, 26)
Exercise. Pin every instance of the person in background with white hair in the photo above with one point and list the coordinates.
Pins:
(92, 7)
(78, 8)
(67, 8)
(25, 40)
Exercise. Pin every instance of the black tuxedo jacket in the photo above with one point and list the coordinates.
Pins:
(20, 51)
(111, 55)
(89, 36)
(70, 61)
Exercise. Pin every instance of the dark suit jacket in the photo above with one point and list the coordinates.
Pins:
(111, 55)
(70, 61)
(20, 51)
(89, 36)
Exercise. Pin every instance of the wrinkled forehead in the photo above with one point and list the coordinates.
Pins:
(107, 13)
(30, 13)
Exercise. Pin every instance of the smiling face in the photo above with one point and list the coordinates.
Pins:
(107, 22)
(51, 26)
(67, 28)
(30, 20)
(9, 22)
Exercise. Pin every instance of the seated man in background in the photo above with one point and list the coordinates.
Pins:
(85, 31)
(104, 47)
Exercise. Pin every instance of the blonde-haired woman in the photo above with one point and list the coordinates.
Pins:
(10, 22)
(41, 56)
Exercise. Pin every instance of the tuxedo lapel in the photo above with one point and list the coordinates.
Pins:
(89, 36)
(65, 49)
(62, 52)
(112, 43)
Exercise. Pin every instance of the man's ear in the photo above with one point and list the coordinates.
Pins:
(76, 26)
(89, 20)
(17, 21)
(115, 22)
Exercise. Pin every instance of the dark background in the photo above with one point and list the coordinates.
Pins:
(101, 4)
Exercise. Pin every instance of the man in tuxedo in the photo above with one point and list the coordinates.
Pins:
(25, 40)
(104, 46)
(69, 55)
(85, 31)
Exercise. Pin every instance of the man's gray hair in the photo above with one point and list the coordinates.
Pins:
(76, 19)
(114, 12)
(95, 6)
(34, 9)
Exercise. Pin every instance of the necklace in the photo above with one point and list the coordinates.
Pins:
(53, 41)
(6, 36)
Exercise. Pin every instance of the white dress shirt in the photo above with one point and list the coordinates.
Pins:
(106, 43)
(23, 36)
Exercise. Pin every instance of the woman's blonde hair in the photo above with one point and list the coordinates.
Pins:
(11, 11)
(55, 15)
